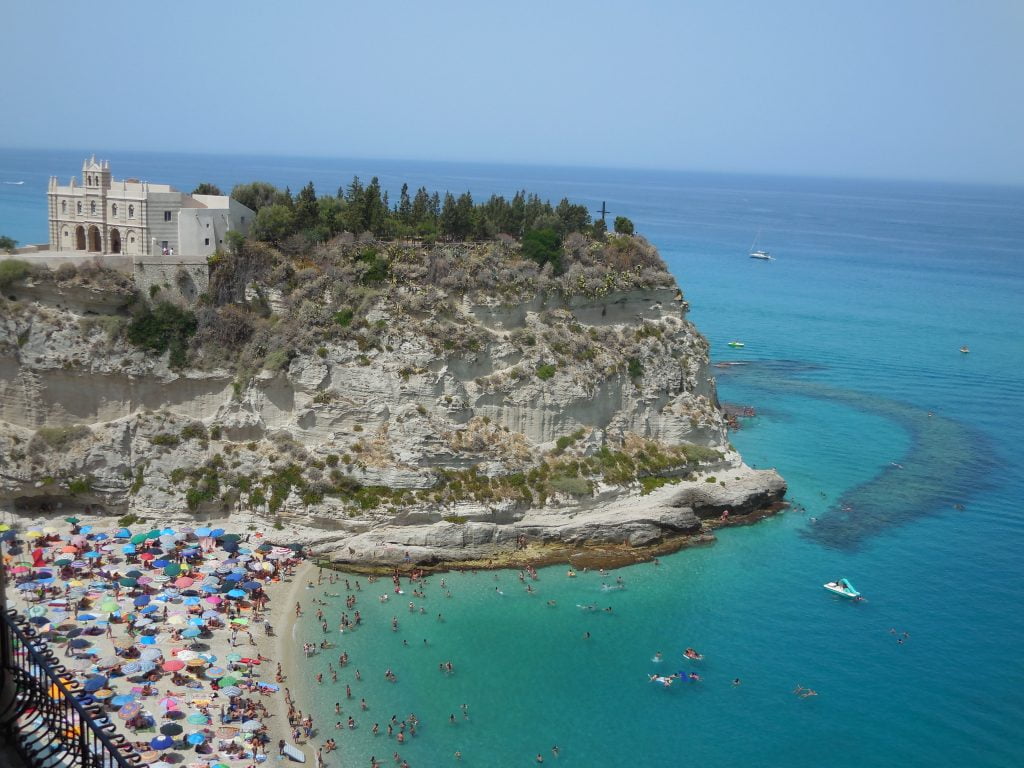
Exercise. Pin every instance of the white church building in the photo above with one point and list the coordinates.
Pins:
(150, 222)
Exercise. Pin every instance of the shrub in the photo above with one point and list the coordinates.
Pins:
(194, 430)
(8, 244)
(574, 486)
(652, 483)
(57, 439)
(344, 317)
(277, 359)
(13, 270)
(161, 328)
(130, 519)
(636, 370)
(165, 440)
(711, 479)
(80, 485)
(545, 371)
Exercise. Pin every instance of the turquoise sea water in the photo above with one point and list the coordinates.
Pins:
(867, 408)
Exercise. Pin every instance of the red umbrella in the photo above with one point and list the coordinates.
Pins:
(173, 665)
(147, 556)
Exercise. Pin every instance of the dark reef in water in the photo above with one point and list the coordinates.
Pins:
(945, 465)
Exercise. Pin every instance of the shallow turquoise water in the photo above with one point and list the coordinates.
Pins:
(851, 338)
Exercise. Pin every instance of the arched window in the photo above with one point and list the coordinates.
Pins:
(79, 206)
(63, 206)
(113, 210)
(131, 211)
(92, 207)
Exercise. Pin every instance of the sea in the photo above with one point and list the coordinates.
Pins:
(901, 452)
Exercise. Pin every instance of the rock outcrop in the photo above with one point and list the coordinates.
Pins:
(449, 432)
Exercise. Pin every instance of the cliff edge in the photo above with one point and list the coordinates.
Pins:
(384, 402)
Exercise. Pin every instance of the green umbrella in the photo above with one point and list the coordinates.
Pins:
(231, 537)
(224, 682)
(173, 569)
(154, 534)
(109, 606)
(139, 538)
(72, 520)
(62, 561)
(126, 582)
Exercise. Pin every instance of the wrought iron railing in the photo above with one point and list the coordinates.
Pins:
(45, 715)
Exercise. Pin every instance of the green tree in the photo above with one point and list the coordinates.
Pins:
(623, 225)
(8, 244)
(273, 223)
(206, 188)
(571, 218)
(255, 195)
(544, 247)
(306, 210)
(404, 206)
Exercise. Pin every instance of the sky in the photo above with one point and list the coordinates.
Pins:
(909, 89)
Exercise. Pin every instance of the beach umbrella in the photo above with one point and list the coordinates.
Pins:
(103, 694)
(231, 690)
(159, 562)
(151, 608)
(162, 742)
(147, 640)
(190, 633)
(251, 725)
(190, 601)
(168, 703)
(110, 606)
(109, 661)
(215, 672)
(147, 556)
(92, 554)
(202, 532)
(131, 668)
(128, 549)
(147, 665)
(98, 536)
(197, 718)
(171, 729)
(141, 600)
(139, 538)
(215, 533)
(124, 698)
(94, 683)
(196, 738)
(251, 586)
(149, 756)
(236, 593)
(72, 520)
(173, 665)
(37, 611)
(143, 622)
(122, 533)
(38, 620)
(129, 710)
(195, 663)
(127, 582)
(79, 642)
(226, 681)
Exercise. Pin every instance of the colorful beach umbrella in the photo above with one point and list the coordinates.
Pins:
(162, 742)
(173, 665)
(129, 710)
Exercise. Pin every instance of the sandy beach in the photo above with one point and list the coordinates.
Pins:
(166, 629)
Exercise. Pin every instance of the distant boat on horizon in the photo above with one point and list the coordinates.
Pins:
(759, 253)
(16, 183)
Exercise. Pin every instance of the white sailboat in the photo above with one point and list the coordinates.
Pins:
(759, 253)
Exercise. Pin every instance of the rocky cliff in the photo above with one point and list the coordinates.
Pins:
(435, 403)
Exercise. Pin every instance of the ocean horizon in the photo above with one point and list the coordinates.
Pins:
(900, 451)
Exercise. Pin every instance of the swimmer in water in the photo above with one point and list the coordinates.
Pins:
(657, 656)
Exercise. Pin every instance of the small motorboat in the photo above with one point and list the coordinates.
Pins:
(736, 344)
(843, 588)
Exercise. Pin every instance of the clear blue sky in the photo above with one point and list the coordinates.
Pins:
(916, 89)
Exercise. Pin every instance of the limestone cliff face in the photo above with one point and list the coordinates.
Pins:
(552, 412)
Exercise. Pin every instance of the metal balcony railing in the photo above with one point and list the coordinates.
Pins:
(44, 713)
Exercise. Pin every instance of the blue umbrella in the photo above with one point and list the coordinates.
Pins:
(162, 742)
(98, 536)
(192, 632)
(234, 577)
(150, 609)
(210, 588)
(161, 563)
(217, 532)
(195, 621)
(122, 533)
(93, 684)
(147, 640)
(92, 554)
(128, 549)
(131, 668)
(141, 600)
(231, 690)
(236, 593)
(86, 617)
(251, 585)
(202, 532)
(79, 642)
(124, 698)
(39, 620)
(196, 738)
